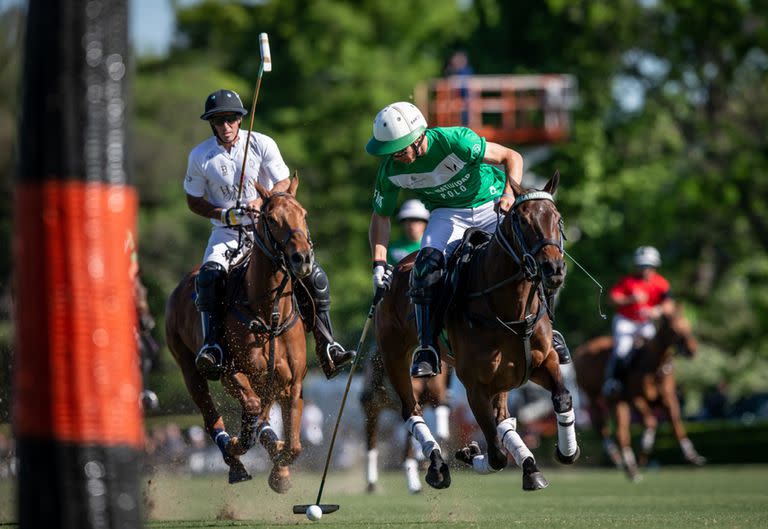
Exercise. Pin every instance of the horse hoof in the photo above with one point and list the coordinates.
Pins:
(438, 474)
(466, 454)
(533, 479)
(697, 460)
(567, 460)
(280, 479)
(372, 488)
(238, 474)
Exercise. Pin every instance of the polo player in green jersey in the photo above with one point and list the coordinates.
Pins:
(450, 170)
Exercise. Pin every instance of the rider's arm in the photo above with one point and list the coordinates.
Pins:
(202, 207)
(510, 159)
(378, 235)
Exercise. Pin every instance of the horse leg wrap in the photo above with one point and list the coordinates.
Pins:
(648, 440)
(566, 433)
(265, 434)
(629, 458)
(372, 465)
(442, 414)
(481, 465)
(687, 447)
(511, 440)
(222, 439)
(411, 467)
(421, 433)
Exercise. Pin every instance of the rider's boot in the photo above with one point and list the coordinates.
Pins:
(210, 287)
(558, 342)
(317, 306)
(426, 279)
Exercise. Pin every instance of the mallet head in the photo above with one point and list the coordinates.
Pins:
(266, 58)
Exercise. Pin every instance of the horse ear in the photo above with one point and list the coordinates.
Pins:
(294, 183)
(262, 191)
(517, 188)
(551, 186)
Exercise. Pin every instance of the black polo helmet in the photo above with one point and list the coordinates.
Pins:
(222, 101)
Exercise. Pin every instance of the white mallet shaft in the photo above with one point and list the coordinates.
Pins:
(266, 58)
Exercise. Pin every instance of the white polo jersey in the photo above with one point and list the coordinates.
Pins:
(214, 173)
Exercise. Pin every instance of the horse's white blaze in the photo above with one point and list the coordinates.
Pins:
(411, 467)
(442, 429)
(421, 433)
(507, 432)
(566, 433)
(372, 465)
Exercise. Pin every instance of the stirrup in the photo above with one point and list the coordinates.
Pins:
(209, 361)
(330, 367)
(426, 362)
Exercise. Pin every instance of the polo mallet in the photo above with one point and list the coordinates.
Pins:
(264, 66)
(329, 508)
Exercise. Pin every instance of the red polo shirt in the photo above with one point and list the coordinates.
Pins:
(655, 287)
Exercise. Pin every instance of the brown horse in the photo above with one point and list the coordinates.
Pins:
(650, 382)
(264, 337)
(378, 395)
(499, 329)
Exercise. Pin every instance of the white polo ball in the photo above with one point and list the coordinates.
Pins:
(314, 513)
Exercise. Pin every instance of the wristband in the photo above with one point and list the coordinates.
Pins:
(379, 262)
(510, 195)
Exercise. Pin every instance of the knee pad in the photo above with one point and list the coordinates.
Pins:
(562, 403)
(210, 286)
(320, 287)
(427, 275)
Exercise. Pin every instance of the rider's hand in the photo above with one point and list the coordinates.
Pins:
(505, 202)
(382, 276)
(234, 216)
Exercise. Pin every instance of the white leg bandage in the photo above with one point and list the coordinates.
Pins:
(265, 433)
(411, 467)
(687, 447)
(648, 440)
(372, 466)
(511, 440)
(629, 457)
(421, 433)
(442, 414)
(481, 465)
(566, 433)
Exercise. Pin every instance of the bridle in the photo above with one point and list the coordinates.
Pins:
(277, 252)
(518, 249)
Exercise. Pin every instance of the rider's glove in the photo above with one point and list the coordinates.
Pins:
(382, 276)
(234, 216)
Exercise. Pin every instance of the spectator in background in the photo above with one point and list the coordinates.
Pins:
(458, 66)
(639, 299)
(413, 217)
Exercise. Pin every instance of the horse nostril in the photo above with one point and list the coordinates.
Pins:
(297, 259)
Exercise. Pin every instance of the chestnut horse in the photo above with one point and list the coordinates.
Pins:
(378, 395)
(650, 382)
(500, 332)
(264, 338)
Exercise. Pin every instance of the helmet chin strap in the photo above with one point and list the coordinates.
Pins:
(417, 147)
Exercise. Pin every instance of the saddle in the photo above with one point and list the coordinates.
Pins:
(452, 291)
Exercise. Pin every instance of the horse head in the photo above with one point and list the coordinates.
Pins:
(537, 231)
(283, 225)
(675, 330)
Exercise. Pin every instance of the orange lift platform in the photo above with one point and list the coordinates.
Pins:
(506, 109)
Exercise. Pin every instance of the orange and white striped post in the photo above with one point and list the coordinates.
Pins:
(76, 414)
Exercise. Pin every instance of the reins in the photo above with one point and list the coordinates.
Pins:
(274, 250)
(528, 270)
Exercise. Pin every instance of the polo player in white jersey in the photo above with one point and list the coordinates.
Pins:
(212, 186)
(449, 169)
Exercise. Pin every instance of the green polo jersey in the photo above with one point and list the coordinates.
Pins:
(400, 249)
(450, 175)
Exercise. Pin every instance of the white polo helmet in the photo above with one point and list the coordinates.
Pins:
(395, 127)
(647, 256)
(413, 209)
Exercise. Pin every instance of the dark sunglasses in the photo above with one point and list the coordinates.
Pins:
(220, 120)
(416, 144)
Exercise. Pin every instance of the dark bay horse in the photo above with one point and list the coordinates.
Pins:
(500, 331)
(378, 395)
(264, 336)
(650, 382)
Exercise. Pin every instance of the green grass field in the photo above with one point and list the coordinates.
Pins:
(673, 497)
